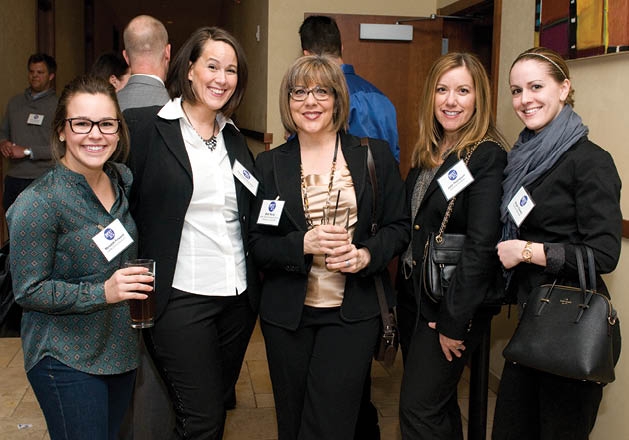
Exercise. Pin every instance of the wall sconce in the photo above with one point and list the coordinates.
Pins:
(395, 32)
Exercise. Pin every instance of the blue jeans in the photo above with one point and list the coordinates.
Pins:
(78, 405)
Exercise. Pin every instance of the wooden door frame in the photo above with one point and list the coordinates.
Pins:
(461, 5)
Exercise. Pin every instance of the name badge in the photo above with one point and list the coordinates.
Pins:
(455, 180)
(35, 119)
(271, 212)
(112, 240)
(520, 206)
(245, 177)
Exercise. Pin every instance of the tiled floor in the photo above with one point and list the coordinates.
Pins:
(253, 418)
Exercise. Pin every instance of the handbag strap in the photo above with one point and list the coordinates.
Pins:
(387, 321)
(446, 216)
(586, 294)
(371, 166)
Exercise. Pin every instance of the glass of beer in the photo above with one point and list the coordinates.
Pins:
(143, 310)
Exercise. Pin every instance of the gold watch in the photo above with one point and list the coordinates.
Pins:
(527, 252)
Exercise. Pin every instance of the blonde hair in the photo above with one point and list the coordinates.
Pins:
(324, 72)
(556, 65)
(480, 125)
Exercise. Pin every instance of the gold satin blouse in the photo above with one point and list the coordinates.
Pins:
(326, 288)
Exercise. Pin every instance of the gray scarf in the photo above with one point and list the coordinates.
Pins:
(534, 154)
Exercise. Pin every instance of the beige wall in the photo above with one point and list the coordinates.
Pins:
(69, 41)
(284, 20)
(17, 22)
(601, 98)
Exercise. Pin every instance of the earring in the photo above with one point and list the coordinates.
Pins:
(62, 139)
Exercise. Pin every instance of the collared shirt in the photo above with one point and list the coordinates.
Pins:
(59, 273)
(371, 113)
(211, 258)
(149, 75)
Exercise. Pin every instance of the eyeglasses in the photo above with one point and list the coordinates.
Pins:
(301, 93)
(84, 126)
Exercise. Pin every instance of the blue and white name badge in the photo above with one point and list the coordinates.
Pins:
(245, 177)
(271, 212)
(112, 240)
(35, 119)
(520, 206)
(455, 180)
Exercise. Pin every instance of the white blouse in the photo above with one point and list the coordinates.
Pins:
(211, 258)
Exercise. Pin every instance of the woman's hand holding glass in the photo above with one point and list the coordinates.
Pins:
(348, 258)
(125, 284)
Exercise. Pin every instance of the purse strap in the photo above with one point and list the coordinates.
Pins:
(446, 216)
(371, 166)
(387, 320)
(586, 294)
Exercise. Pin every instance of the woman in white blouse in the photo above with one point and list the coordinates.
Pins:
(192, 190)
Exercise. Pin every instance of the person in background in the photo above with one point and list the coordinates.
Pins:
(80, 352)
(319, 309)
(190, 157)
(26, 126)
(147, 53)
(113, 68)
(371, 114)
(439, 338)
(576, 191)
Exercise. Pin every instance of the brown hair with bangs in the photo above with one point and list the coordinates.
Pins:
(480, 125)
(313, 70)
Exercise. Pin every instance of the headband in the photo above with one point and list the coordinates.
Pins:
(547, 59)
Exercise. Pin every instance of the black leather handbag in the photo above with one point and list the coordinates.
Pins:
(389, 339)
(568, 331)
(442, 252)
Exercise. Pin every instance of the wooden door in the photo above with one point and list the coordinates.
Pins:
(399, 68)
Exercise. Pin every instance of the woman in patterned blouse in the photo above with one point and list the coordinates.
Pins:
(80, 352)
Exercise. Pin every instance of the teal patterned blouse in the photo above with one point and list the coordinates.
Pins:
(59, 273)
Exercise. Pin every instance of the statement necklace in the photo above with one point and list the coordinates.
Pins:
(211, 142)
(304, 187)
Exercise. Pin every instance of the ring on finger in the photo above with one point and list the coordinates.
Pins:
(346, 263)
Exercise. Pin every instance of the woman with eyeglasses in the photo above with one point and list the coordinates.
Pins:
(312, 240)
(70, 232)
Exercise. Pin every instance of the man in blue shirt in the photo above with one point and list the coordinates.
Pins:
(371, 113)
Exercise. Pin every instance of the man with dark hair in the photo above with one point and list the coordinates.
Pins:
(27, 126)
(371, 113)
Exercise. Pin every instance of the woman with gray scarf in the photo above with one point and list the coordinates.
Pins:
(568, 194)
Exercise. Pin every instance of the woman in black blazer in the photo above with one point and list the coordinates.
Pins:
(319, 310)
(576, 191)
(455, 119)
(191, 197)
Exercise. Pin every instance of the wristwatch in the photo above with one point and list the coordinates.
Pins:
(27, 152)
(527, 252)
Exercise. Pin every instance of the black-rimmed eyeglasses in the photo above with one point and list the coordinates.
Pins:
(319, 93)
(84, 126)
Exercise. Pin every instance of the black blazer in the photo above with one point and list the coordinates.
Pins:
(476, 213)
(279, 251)
(577, 202)
(162, 189)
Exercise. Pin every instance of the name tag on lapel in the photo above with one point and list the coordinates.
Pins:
(245, 177)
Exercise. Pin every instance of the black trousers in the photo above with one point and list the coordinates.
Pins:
(198, 345)
(536, 405)
(13, 186)
(428, 401)
(318, 373)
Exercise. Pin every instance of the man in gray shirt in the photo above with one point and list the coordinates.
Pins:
(147, 52)
(27, 127)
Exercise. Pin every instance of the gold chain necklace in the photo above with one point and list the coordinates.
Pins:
(304, 188)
